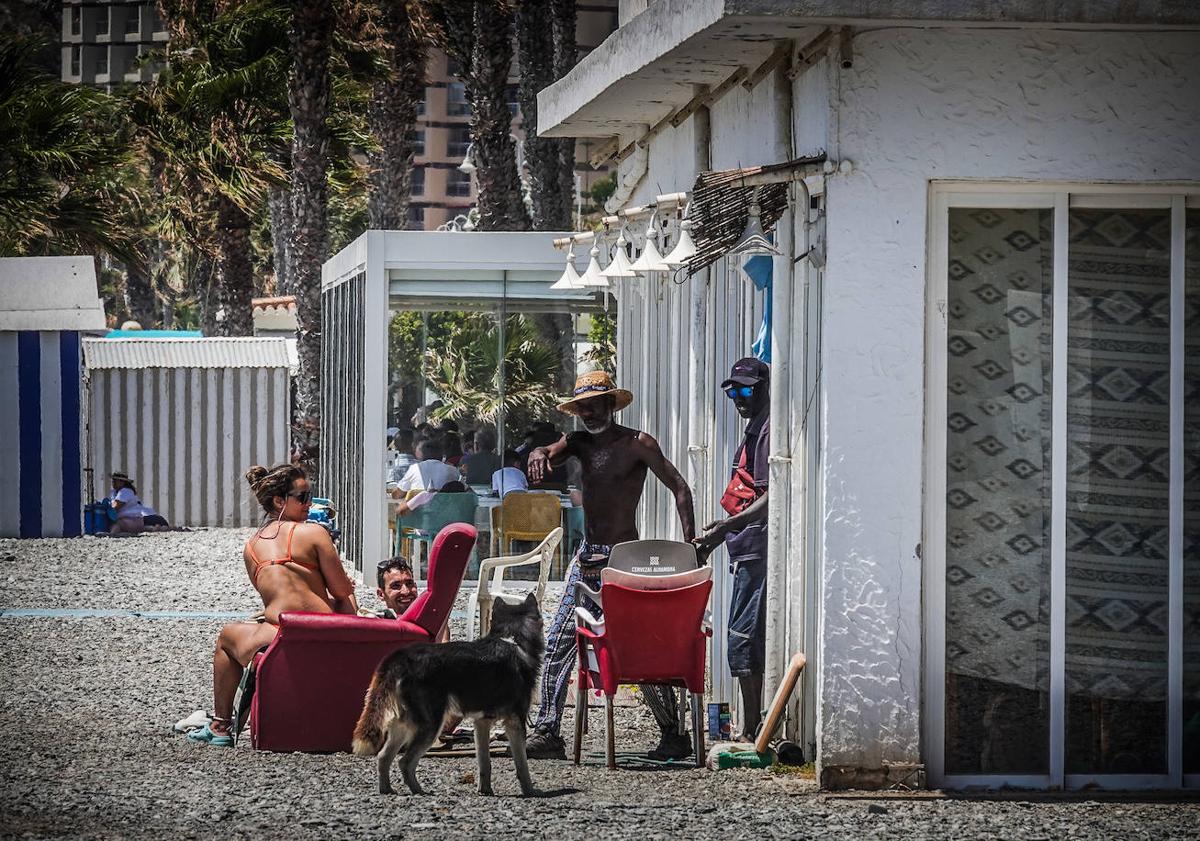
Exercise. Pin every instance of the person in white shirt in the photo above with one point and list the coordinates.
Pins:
(133, 516)
(403, 458)
(509, 478)
(430, 473)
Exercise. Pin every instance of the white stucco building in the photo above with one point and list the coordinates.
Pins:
(985, 490)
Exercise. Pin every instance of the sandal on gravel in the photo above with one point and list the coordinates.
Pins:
(193, 722)
(207, 736)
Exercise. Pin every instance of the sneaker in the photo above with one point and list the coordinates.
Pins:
(672, 746)
(541, 745)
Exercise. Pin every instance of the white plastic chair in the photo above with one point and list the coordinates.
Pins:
(491, 580)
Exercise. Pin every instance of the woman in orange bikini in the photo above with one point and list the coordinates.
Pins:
(294, 566)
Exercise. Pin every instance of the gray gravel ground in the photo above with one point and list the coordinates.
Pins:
(86, 749)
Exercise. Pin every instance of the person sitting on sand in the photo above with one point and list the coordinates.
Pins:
(133, 515)
(294, 566)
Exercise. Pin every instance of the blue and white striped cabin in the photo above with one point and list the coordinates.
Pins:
(46, 303)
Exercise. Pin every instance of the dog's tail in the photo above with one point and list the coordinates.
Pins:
(378, 711)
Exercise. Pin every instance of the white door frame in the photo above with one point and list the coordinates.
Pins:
(1059, 197)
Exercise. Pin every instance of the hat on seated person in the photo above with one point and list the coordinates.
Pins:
(593, 385)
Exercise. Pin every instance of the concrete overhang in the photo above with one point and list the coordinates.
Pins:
(650, 67)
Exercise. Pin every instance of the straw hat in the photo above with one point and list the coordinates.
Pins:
(596, 384)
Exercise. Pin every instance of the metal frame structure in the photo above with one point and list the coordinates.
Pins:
(361, 286)
(1060, 198)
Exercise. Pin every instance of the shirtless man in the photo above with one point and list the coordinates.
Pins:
(615, 461)
(294, 566)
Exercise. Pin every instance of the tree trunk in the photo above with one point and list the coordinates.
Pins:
(202, 282)
(308, 98)
(393, 119)
(501, 201)
(235, 274)
(543, 156)
(279, 206)
(140, 301)
(566, 56)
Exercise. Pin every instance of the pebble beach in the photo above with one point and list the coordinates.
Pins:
(105, 643)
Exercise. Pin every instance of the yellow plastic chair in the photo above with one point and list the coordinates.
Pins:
(524, 516)
(403, 538)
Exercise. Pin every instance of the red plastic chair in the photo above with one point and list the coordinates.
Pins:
(649, 636)
(311, 681)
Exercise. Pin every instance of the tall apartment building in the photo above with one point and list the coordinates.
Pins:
(440, 190)
(103, 39)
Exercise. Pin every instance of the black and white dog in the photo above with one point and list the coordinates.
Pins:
(489, 679)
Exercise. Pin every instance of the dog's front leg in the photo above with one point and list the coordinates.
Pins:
(514, 728)
(483, 754)
(383, 760)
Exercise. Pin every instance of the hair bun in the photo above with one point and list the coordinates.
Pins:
(256, 474)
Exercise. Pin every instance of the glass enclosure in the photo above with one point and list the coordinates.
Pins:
(477, 390)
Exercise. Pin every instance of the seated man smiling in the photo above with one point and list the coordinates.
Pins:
(397, 589)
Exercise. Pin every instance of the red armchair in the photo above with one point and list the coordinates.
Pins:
(311, 680)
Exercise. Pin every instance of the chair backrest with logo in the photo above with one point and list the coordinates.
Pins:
(653, 557)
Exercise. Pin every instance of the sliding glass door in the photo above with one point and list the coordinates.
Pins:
(1063, 506)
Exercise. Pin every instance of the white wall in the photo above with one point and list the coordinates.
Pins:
(920, 105)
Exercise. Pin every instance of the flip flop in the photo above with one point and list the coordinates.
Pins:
(207, 736)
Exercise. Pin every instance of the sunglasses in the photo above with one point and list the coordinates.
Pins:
(733, 392)
(303, 497)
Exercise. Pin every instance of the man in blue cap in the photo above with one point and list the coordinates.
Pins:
(744, 532)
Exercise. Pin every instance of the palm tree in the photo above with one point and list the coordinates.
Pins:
(65, 183)
(310, 36)
(393, 114)
(544, 156)
(566, 55)
(468, 377)
(212, 125)
(478, 35)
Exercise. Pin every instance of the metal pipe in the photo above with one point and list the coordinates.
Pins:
(698, 426)
(669, 201)
(779, 558)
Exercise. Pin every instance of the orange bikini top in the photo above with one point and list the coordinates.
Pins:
(286, 559)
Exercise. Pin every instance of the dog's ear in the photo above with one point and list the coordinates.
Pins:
(531, 601)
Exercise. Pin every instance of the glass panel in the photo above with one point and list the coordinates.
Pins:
(478, 399)
(1118, 427)
(1191, 502)
(457, 104)
(458, 184)
(998, 491)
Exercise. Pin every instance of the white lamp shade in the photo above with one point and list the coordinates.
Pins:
(650, 260)
(592, 276)
(684, 250)
(619, 266)
(754, 239)
(570, 277)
